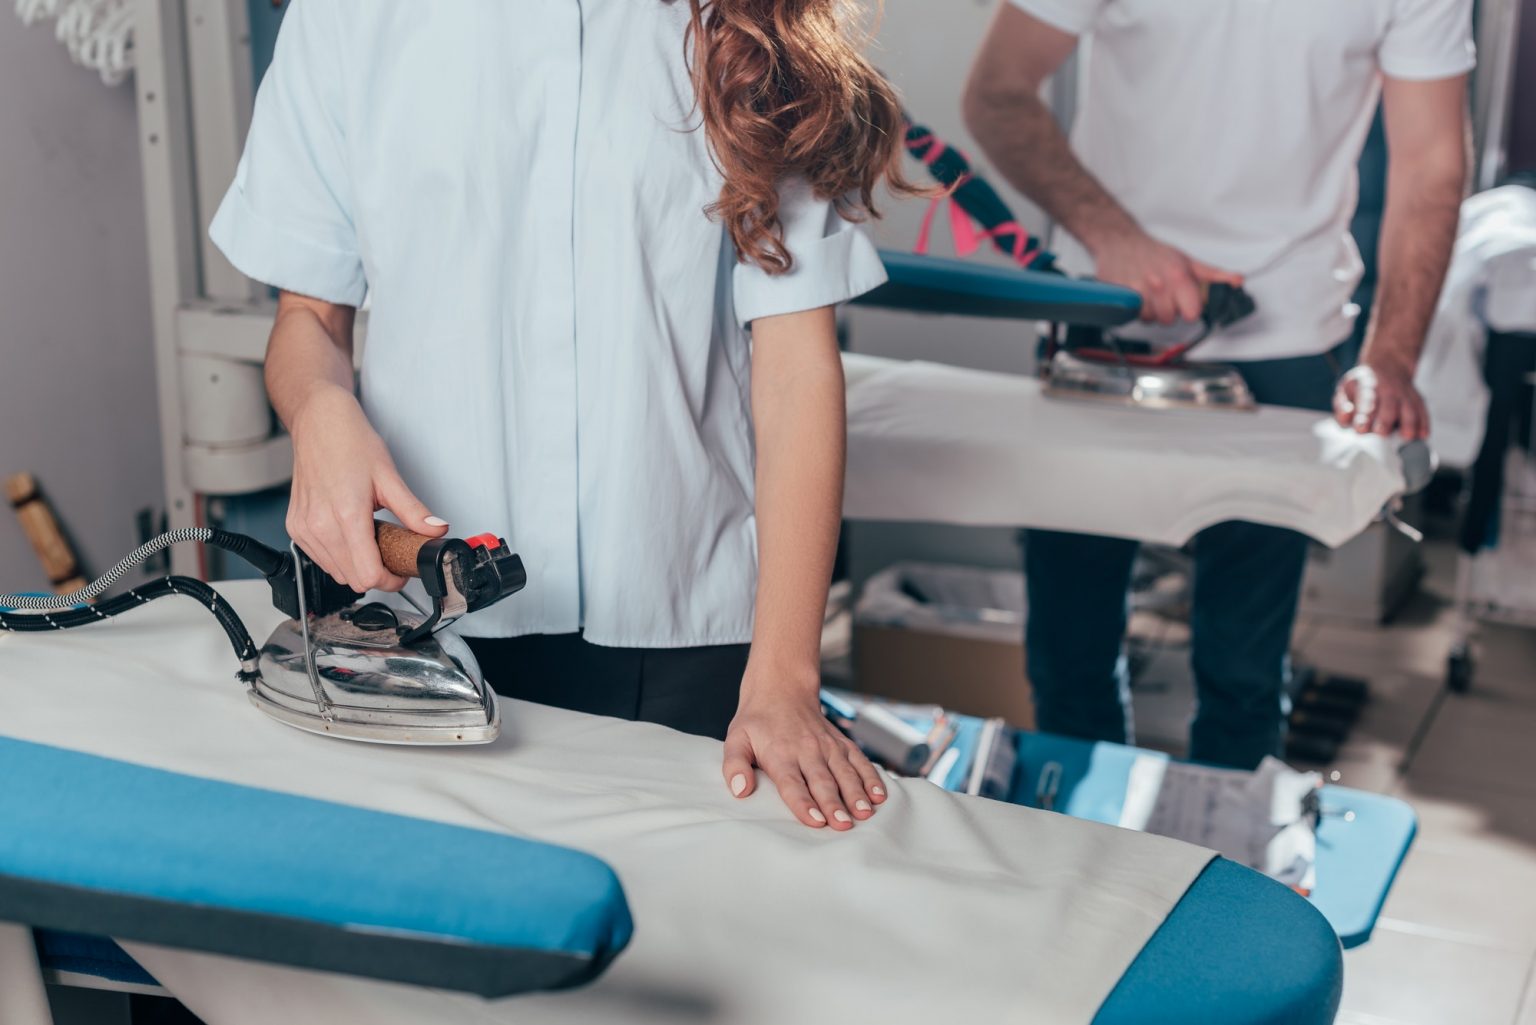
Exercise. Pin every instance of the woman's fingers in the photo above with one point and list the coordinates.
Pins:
(849, 784)
(797, 796)
(368, 572)
(824, 788)
(737, 768)
(869, 776)
(412, 513)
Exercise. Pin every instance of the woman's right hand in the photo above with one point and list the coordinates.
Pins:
(343, 474)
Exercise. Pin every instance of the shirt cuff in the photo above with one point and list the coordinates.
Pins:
(839, 267)
(1072, 16)
(276, 255)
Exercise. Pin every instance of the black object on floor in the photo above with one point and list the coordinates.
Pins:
(1324, 711)
(147, 1010)
(1310, 748)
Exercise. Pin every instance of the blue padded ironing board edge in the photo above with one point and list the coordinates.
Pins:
(96, 845)
(1290, 974)
(934, 284)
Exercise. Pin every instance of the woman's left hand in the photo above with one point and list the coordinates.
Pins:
(821, 775)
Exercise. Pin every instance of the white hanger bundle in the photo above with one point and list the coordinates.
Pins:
(97, 33)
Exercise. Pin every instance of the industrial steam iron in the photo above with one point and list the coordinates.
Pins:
(1098, 366)
(337, 666)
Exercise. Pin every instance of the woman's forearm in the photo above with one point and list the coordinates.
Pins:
(309, 352)
(798, 405)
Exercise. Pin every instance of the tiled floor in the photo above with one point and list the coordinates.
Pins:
(1457, 939)
(1456, 944)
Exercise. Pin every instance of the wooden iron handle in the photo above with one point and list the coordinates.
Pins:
(398, 548)
(42, 529)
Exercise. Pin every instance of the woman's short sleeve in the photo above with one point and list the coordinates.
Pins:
(287, 219)
(834, 261)
(1075, 17)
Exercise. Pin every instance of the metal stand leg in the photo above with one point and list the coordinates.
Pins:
(1460, 664)
(23, 997)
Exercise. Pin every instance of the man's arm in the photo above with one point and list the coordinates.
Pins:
(1018, 132)
(1426, 126)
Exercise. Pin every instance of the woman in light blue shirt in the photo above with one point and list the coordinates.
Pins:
(601, 241)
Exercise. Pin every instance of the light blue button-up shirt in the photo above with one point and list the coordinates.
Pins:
(557, 344)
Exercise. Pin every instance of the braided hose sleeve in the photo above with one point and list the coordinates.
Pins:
(267, 560)
(36, 621)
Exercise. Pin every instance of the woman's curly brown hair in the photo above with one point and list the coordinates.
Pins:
(784, 91)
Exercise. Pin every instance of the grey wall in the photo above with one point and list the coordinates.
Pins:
(1522, 120)
(77, 391)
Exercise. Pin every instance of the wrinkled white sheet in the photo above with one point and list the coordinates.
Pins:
(941, 444)
(941, 907)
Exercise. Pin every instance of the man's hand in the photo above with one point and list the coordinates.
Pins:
(1381, 399)
(1172, 285)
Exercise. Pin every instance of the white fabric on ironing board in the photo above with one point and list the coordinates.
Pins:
(940, 907)
(941, 444)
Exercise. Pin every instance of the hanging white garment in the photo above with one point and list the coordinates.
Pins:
(1488, 287)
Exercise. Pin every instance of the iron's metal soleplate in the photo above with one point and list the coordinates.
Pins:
(363, 685)
(1181, 386)
(383, 733)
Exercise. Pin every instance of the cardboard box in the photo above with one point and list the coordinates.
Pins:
(969, 675)
(928, 633)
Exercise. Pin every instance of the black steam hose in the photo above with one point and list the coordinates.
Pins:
(63, 612)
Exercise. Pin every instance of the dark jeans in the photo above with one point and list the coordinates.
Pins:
(1247, 582)
(689, 689)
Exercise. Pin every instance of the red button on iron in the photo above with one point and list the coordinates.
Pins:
(483, 541)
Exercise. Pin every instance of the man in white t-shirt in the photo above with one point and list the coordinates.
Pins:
(1217, 141)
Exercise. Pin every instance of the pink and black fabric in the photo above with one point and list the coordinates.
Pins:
(976, 212)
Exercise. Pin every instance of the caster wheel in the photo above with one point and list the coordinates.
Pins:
(1458, 669)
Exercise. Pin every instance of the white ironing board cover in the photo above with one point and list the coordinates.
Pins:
(941, 444)
(942, 907)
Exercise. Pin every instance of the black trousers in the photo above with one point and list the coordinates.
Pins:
(689, 689)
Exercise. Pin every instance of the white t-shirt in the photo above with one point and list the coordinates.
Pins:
(1231, 130)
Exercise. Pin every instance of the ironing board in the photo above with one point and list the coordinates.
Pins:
(931, 443)
(669, 834)
(1277, 963)
(1286, 972)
